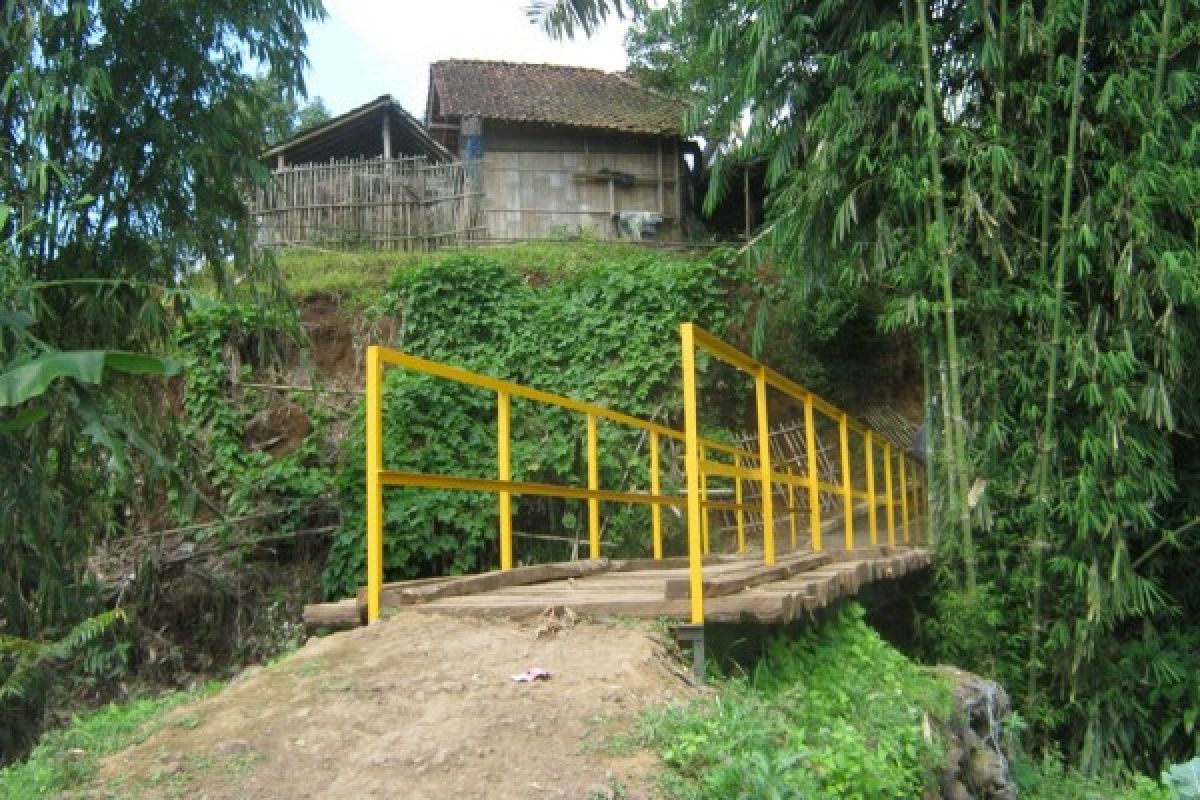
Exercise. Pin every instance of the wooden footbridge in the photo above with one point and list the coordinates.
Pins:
(776, 527)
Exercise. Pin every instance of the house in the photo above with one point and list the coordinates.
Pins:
(380, 129)
(372, 177)
(559, 150)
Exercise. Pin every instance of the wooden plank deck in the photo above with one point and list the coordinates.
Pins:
(737, 589)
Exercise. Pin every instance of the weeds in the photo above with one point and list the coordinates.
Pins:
(68, 758)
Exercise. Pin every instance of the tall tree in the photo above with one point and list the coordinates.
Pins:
(130, 131)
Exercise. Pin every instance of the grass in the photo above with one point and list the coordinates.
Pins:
(66, 759)
(358, 277)
(835, 712)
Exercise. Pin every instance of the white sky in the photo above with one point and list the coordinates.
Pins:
(371, 47)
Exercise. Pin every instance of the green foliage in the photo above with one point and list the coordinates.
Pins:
(1015, 183)
(216, 339)
(834, 713)
(1050, 779)
(130, 133)
(603, 331)
(67, 758)
(560, 18)
(285, 116)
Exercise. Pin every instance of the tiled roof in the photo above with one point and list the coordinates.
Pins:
(575, 96)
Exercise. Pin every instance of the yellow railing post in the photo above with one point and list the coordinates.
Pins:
(655, 491)
(737, 499)
(374, 488)
(593, 466)
(847, 485)
(889, 491)
(791, 489)
(916, 498)
(872, 500)
(764, 457)
(904, 497)
(691, 438)
(814, 490)
(704, 520)
(504, 473)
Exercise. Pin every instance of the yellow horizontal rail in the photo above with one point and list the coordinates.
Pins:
(440, 370)
(420, 480)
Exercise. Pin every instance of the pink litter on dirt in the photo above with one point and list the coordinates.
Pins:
(532, 674)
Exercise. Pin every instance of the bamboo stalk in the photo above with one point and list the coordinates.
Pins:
(957, 431)
(1043, 461)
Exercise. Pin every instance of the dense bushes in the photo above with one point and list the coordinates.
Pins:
(605, 332)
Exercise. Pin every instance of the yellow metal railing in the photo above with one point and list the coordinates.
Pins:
(503, 485)
(769, 472)
(739, 464)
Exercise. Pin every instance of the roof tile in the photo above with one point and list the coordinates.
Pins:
(575, 96)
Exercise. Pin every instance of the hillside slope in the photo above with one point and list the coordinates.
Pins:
(418, 706)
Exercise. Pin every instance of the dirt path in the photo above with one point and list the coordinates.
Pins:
(418, 706)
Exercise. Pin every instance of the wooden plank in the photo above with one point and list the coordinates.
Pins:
(672, 562)
(489, 581)
(734, 582)
(342, 614)
(409, 593)
(361, 594)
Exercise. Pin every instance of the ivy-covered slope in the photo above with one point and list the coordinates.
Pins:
(604, 331)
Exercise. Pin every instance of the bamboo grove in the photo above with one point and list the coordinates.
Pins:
(1017, 185)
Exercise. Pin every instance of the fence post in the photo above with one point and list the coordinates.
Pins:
(904, 497)
(504, 472)
(593, 464)
(691, 438)
(847, 486)
(814, 490)
(374, 489)
(872, 500)
(655, 491)
(764, 458)
(704, 520)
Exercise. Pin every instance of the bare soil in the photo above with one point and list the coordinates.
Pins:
(419, 706)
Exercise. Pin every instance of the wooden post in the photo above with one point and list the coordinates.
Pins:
(387, 135)
(661, 209)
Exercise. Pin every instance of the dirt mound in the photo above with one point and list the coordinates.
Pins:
(418, 706)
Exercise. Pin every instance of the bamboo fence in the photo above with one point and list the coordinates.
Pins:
(398, 204)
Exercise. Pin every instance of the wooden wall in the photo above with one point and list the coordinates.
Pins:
(539, 181)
